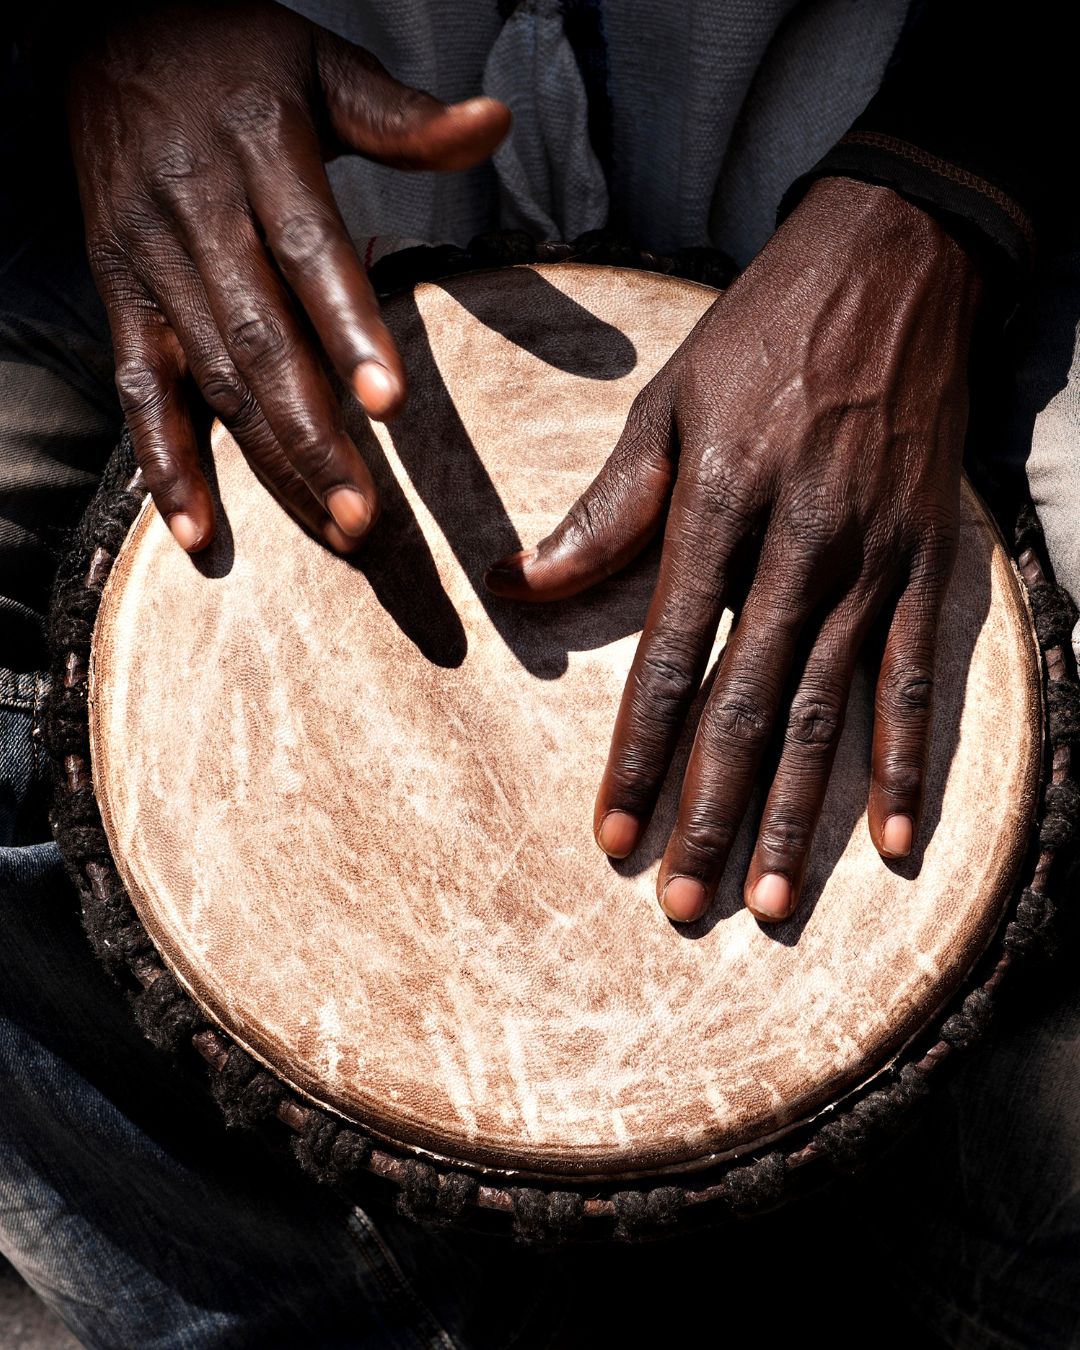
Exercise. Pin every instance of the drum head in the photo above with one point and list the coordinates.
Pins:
(352, 800)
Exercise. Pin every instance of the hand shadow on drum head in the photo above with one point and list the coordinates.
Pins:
(399, 568)
(456, 488)
(966, 607)
(395, 572)
(594, 350)
(216, 560)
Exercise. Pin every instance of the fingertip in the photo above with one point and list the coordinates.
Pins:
(381, 392)
(486, 111)
(468, 133)
(684, 899)
(188, 532)
(353, 513)
(482, 105)
(507, 576)
(771, 898)
(618, 834)
(897, 836)
(338, 540)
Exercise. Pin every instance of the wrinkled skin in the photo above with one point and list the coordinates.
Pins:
(199, 135)
(807, 436)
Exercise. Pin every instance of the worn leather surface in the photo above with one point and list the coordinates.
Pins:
(352, 801)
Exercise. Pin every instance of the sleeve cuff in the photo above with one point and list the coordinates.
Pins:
(975, 210)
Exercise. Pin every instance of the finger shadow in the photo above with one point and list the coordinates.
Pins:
(568, 336)
(216, 560)
(443, 465)
(398, 565)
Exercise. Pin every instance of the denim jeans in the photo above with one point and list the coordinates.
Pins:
(137, 1217)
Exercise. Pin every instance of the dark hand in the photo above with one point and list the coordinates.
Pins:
(816, 416)
(200, 134)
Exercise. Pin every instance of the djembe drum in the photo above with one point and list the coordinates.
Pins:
(331, 817)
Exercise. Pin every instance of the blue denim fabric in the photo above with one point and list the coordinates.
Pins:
(129, 1208)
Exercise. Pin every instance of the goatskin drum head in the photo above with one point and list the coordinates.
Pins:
(352, 799)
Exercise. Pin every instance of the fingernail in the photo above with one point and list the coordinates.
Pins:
(186, 533)
(479, 104)
(338, 540)
(351, 511)
(897, 835)
(511, 567)
(618, 834)
(772, 896)
(375, 387)
(683, 900)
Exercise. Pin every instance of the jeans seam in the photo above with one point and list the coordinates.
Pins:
(35, 731)
(394, 1282)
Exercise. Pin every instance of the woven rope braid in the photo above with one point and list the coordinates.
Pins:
(336, 1152)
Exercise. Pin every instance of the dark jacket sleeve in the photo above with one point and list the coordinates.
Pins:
(971, 122)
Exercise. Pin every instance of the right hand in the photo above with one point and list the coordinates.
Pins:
(200, 135)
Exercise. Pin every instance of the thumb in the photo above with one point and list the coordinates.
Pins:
(387, 121)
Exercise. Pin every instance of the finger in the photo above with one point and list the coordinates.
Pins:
(735, 727)
(307, 236)
(390, 122)
(902, 712)
(612, 520)
(668, 668)
(149, 381)
(275, 360)
(226, 394)
(814, 724)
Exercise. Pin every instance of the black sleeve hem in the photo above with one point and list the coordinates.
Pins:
(976, 211)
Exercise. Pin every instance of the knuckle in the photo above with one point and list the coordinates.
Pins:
(663, 685)
(587, 516)
(736, 719)
(394, 108)
(650, 404)
(785, 835)
(906, 691)
(934, 559)
(705, 840)
(258, 341)
(814, 721)
(139, 387)
(664, 672)
(635, 776)
(815, 516)
(714, 492)
(644, 444)
(304, 239)
(106, 256)
(310, 450)
(250, 112)
(160, 470)
(224, 390)
(170, 168)
(900, 776)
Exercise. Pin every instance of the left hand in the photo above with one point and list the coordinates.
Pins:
(814, 417)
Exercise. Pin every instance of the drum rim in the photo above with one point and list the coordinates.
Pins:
(446, 1188)
(486, 1162)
